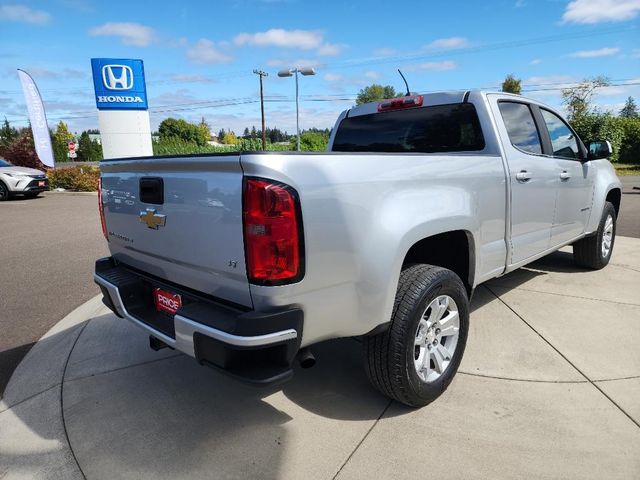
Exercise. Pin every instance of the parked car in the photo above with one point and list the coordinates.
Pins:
(21, 181)
(417, 202)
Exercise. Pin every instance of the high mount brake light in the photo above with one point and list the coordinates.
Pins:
(272, 232)
(103, 222)
(400, 103)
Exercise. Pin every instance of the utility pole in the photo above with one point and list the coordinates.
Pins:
(261, 74)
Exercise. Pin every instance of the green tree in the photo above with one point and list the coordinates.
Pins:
(229, 138)
(312, 141)
(512, 84)
(375, 92)
(221, 134)
(630, 110)
(177, 128)
(22, 151)
(60, 142)
(89, 150)
(204, 131)
(8, 135)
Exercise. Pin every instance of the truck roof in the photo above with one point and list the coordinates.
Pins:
(430, 98)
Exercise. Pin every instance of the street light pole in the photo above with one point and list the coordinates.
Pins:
(261, 74)
(288, 73)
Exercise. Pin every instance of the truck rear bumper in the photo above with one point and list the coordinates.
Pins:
(258, 347)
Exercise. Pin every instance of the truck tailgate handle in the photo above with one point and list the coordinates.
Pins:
(152, 190)
(564, 175)
(523, 176)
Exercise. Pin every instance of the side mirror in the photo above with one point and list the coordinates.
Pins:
(599, 149)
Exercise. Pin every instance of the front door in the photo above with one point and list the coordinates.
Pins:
(575, 187)
(533, 178)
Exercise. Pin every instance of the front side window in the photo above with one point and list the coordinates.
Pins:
(521, 127)
(436, 128)
(563, 141)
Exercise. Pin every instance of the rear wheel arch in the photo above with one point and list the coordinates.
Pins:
(454, 250)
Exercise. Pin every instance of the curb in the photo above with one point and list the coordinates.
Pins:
(80, 194)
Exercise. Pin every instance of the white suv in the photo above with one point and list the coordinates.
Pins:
(21, 181)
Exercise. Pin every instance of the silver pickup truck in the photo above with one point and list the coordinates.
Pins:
(244, 260)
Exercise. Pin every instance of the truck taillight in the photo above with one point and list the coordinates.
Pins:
(272, 232)
(400, 103)
(103, 223)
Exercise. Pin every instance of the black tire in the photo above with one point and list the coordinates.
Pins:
(4, 192)
(389, 356)
(588, 252)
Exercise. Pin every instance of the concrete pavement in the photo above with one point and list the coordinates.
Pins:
(548, 388)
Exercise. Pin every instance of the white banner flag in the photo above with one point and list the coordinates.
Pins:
(38, 119)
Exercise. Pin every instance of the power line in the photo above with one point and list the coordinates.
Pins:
(219, 103)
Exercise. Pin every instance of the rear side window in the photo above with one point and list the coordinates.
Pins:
(521, 127)
(439, 128)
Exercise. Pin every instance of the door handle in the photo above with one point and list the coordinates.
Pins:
(564, 175)
(523, 176)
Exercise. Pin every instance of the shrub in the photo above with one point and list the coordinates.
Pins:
(179, 147)
(78, 179)
(630, 149)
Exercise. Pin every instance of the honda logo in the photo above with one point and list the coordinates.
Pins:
(117, 77)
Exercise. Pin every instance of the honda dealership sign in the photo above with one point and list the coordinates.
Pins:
(121, 98)
(119, 84)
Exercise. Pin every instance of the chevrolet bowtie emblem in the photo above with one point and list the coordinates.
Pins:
(153, 219)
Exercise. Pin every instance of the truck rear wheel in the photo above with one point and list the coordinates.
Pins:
(595, 251)
(416, 358)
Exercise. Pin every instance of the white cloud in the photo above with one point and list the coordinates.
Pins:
(24, 14)
(330, 49)
(447, 43)
(596, 11)
(535, 61)
(601, 52)
(549, 80)
(204, 52)
(130, 33)
(333, 77)
(384, 52)
(278, 37)
(436, 66)
(372, 75)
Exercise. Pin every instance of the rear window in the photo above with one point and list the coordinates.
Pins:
(439, 128)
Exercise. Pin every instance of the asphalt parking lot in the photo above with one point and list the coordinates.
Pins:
(49, 245)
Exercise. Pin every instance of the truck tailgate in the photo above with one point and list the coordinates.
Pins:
(180, 219)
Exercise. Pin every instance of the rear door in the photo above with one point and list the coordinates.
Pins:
(533, 178)
(179, 219)
(575, 186)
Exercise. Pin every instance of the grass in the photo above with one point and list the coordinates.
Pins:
(627, 169)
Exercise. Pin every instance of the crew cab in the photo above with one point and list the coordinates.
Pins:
(245, 260)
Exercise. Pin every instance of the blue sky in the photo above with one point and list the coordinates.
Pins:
(199, 55)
